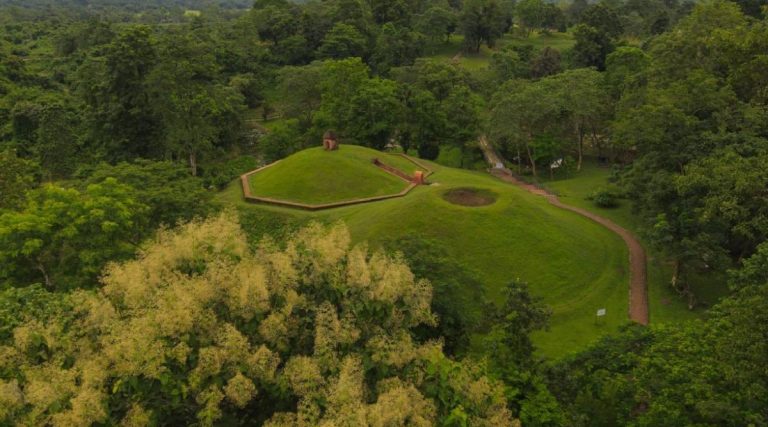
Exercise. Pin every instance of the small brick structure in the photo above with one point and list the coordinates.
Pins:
(412, 183)
(330, 141)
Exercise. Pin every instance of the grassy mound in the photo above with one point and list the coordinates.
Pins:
(470, 197)
(316, 176)
(574, 264)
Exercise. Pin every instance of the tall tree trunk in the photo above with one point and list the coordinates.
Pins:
(48, 282)
(193, 162)
(519, 161)
(580, 133)
(530, 158)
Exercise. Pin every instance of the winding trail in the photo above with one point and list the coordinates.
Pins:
(638, 286)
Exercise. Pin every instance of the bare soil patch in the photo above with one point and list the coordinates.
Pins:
(470, 197)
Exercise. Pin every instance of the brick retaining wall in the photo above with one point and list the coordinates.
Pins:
(249, 197)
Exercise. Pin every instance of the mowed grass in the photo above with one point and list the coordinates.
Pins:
(317, 176)
(665, 304)
(575, 265)
(539, 40)
(448, 51)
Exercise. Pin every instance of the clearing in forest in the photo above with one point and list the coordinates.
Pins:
(574, 264)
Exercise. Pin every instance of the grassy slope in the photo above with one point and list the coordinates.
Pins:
(574, 264)
(317, 176)
(665, 305)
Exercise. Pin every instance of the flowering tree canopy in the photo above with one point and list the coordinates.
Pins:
(202, 329)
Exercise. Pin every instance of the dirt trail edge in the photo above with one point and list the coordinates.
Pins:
(638, 286)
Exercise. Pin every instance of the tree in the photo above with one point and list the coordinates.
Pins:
(396, 46)
(464, 110)
(339, 83)
(343, 41)
(546, 63)
(705, 372)
(194, 108)
(122, 121)
(458, 298)
(424, 123)
(481, 21)
(523, 110)
(281, 141)
(507, 64)
(587, 103)
(512, 354)
(624, 70)
(530, 14)
(63, 237)
(373, 113)
(202, 329)
(17, 176)
(169, 191)
(437, 23)
(44, 129)
(603, 19)
(592, 46)
(275, 23)
(300, 91)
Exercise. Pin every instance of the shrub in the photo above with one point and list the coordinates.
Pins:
(604, 198)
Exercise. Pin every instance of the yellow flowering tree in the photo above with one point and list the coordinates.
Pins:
(202, 329)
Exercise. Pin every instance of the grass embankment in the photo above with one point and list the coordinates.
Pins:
(316, 176)
(665, 304)
(575, 265)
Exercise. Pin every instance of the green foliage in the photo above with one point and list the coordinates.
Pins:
(373, 113)
(689, 122)
(343, 41)
(481, 21)
(122, 120)
(707, 373)
(170, 192)
(17, 176)
(283, 139)
(396, 46)
(202, 329)
(592, 46)
(541, 117)
(194, 108)
(31, 303)
(602, 18)
(458, 297)
(63, 238)
(604, 198)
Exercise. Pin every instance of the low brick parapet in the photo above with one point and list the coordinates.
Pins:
(249, 197)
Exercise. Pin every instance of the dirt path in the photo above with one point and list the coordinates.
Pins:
(638, 287)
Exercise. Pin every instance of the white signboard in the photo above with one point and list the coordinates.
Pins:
(601, 312)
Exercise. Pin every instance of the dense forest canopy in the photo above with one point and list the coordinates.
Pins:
(128, 296)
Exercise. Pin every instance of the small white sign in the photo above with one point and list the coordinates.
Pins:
(601, 312)
(499, 165)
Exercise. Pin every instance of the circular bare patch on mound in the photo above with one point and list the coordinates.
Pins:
(470, 197)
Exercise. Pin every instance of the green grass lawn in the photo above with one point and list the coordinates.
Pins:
(317, 176)
(665, 304)
(575, 265)
(559, 41)
(479, 61)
